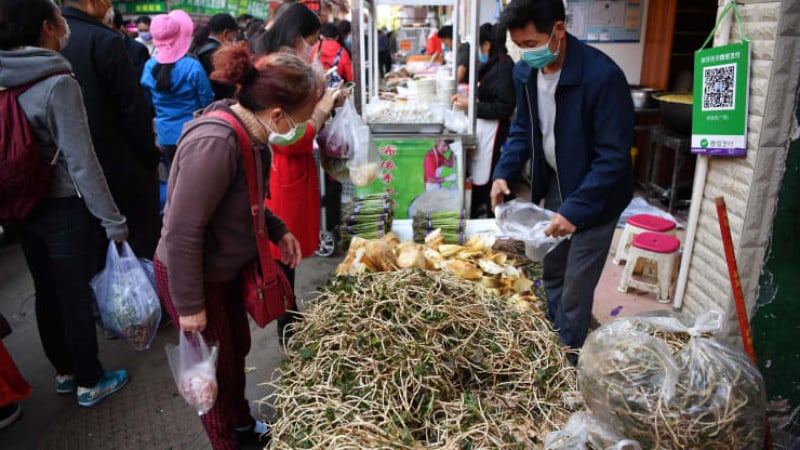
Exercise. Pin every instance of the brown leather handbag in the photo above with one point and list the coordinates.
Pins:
(266, 291)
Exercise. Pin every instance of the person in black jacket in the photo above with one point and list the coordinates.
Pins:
(223, 30)
(496, 103)
(137, 52)
(120, 121)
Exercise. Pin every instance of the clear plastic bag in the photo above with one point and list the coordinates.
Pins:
(456, 121)
(336, 140)
(126, 297)
(194, 369)
(526, 222)
(364, 163)
(584, 432)
(669, 384)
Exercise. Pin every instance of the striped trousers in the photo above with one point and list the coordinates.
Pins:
(229, 328)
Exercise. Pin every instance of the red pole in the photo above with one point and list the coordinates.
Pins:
(738, 295)
(733, 271)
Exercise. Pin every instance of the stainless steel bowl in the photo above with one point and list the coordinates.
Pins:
(643, 97)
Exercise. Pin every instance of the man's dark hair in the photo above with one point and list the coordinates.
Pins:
(543, 14)
(143, 19)
(117, 22)
(329, 31)
(244, 19)
(446, 32)
(344, 27)
(222, 22)
(21, 21)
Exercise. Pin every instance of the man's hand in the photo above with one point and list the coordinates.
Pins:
(290, 250)
(195, 322)
(499, 191)
(559, 227)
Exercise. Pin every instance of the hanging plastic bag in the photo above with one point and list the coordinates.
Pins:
(584, 432)
(336, 140)
(667, 383)
(126, 297)
(526, 222)
(364, 162)
(456, 121)
(194, 369)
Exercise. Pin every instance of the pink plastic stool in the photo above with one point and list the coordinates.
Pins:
(641, 223)
(660, 249)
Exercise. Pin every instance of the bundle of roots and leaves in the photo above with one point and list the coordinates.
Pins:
(416, 359)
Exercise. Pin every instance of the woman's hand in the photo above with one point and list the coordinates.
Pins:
(460, 102)
(290, 250)
(195, 322)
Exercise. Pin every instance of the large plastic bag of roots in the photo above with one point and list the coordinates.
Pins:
(584, 432)
(668, 384)
(526, 221)
(126, 297)
(194, 369)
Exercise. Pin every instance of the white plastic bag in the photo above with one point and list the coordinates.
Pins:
(194, 369)
(364, 162)
(526, 222)
(126, 297)
(456, 121)
(336, 140)
(584, 432)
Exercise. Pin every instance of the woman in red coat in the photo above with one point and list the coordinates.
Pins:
(293, 182)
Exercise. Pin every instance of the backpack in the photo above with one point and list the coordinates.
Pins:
(335, 78)
(24, 178)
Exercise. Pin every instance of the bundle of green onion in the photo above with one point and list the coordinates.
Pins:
(367, 216)
(452, 223)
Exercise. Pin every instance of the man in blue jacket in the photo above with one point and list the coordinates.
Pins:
(575, 119)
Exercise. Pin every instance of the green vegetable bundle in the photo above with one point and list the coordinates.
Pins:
(452, 223)
(366, 216)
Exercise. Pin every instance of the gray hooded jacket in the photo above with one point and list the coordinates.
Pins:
(55, 112)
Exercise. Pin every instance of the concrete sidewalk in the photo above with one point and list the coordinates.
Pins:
(146, 414)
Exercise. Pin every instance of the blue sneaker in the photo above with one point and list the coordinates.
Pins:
(65, 384)
(111, 382)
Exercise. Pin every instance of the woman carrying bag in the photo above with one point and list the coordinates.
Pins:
(208, 242)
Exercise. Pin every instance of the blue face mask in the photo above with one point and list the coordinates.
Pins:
(348, 42)
(539, 57)
(445, 48)
(146, 36)
(483, 58)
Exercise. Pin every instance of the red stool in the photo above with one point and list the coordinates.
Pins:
(659, 249)
(641, 223)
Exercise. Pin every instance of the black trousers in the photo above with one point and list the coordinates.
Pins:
(60, 241)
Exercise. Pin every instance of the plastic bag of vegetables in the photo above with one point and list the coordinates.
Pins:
(126, 297)
(194, 369)
(365, 161)
(666, 382)
(336, 139)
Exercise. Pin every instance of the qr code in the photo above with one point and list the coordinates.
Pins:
(719, 84)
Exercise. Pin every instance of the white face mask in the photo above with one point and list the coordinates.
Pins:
(64, 39)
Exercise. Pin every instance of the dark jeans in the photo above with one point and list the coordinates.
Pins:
(141, 209)
(570, 274)
(290, 315)
(60, 243)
